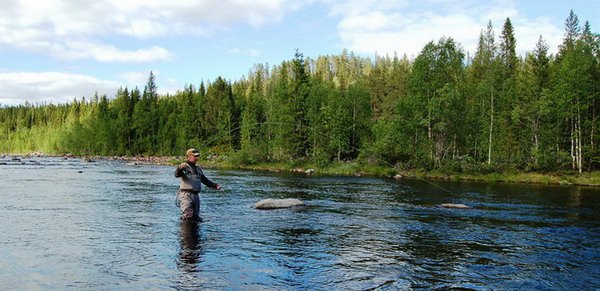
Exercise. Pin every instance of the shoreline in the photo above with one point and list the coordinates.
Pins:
(590, 179)
(136, 160)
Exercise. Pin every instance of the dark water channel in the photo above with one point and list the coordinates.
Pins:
(115, 226)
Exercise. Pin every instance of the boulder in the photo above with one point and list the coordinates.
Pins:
(451, 205)
(277, 203)
(309, 171)
(398, 177)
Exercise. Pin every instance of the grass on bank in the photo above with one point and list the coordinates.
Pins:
(355, 168)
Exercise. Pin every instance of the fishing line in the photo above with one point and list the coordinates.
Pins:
(240, 127)
(214, 138)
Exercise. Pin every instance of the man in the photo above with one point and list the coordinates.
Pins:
(191, 179)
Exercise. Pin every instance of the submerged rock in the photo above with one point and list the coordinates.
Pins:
(458, 206)
(277, 203)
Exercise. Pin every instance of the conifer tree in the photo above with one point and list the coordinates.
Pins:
(297, 104)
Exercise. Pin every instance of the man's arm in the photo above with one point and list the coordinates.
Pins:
(180, 171)
(206, 181)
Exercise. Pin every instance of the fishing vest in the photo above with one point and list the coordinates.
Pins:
(192, 181)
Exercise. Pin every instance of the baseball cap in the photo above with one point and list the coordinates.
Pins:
(192, 152)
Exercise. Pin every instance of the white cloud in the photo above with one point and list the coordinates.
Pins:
(71, 28)
(189, 14)
(107, 53)
(528, 31)
(401, 26)
(57, 87)
(133, 79)
(51, 87)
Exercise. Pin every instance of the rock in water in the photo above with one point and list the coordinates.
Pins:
(277, 203)
(451, 205)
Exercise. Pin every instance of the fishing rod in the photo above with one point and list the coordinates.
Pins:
(214, 138)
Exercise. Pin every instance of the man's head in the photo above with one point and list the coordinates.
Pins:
(192, 155)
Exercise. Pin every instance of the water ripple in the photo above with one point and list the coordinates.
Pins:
(115, 226)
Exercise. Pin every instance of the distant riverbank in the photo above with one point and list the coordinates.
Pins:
(351, 168)
(357, 169)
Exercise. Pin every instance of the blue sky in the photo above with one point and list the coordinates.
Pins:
(57, 50)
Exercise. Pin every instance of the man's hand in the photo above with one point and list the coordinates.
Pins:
(218, 187)
(181, 170)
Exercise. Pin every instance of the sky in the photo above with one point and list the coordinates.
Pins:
(53, 51)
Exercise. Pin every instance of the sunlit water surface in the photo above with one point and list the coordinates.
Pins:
(109, 225)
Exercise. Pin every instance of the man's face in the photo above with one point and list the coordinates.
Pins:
(192, 158)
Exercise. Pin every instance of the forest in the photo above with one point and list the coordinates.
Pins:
(444, 109)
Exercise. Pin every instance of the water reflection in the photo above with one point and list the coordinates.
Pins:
(190, 246)
(575, 197)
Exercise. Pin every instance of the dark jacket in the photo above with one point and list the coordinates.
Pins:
(192, 177)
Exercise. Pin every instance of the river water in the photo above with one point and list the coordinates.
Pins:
(107, 225)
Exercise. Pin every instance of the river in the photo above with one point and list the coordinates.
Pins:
(67, 224)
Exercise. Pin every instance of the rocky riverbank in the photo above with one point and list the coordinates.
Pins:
(132, 160)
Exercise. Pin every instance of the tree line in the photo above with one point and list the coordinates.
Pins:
(491, 111)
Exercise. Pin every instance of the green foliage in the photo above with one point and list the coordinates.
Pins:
(436, 101)
(495, 112)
